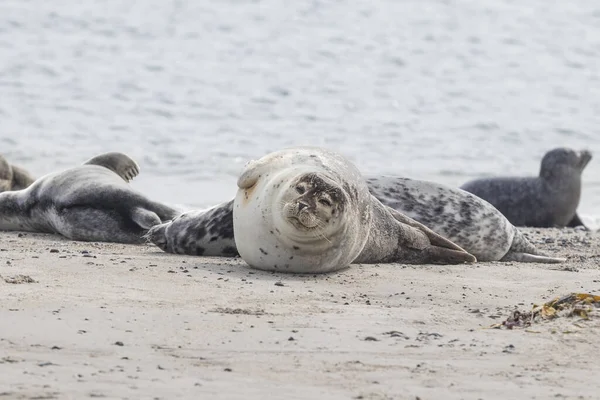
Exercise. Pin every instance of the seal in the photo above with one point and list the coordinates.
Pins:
(13, 177)
(90, 202)
(305, 210)
(463, 218)
(548, 200)
(309, 210)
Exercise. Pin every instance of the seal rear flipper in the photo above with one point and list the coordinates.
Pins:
(146, 219)
(119, 163)
(575, 222)
(531, 258)
(434, 238)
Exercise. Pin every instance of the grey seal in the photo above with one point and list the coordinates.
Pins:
(211, 232)
(465, 219)
(309, 210)
(548, 200)
(13, 177)
(90, 202)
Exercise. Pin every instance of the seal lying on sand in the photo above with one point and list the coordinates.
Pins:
(308, 210)
(380, 237)
(91, 202)
(549, 200)
(463, 218)
(13, 177)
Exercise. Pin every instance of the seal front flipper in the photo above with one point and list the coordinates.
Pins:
(391, 240)
(432, 253)
(434, 238)
(119, 163)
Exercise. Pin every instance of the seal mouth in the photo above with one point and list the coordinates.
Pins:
(584, 158)
(297, 222)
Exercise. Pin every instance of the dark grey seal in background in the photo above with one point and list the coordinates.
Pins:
(13, 177)
(90, 202)
(548, 200)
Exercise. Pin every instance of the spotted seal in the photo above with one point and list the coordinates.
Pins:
(468, 221)
(13, 177)
(465, 219)
(90, 202)
(309, 210)
(305, 209)
(548, 200)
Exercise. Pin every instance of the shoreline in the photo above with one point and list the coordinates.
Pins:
(129, 321)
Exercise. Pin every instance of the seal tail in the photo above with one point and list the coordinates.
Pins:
(523, 251)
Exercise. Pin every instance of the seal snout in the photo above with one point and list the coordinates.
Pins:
(584, 158)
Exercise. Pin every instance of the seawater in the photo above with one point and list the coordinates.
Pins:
(430, 89)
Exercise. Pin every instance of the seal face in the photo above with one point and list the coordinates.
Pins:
(91, 202)
(295, 212)
(313, 204)
(548, 200)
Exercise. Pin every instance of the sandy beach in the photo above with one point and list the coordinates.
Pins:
(81, 320)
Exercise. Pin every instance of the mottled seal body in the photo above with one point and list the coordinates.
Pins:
(470, 222)
(206, 232)
(465, 219)
(308, 210)
(13, 177)
(91, 202)
(548, 200)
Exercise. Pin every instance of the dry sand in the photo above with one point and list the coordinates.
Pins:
(116, 321)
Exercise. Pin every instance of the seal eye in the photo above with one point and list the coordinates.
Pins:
(300, 189)
(325, 202)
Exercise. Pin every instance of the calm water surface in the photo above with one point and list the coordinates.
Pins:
(439, 90)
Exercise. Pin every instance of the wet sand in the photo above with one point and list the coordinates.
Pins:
(81, 320)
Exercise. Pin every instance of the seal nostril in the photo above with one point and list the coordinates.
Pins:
(302, 206)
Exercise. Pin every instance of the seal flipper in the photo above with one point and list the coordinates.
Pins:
(531, 258)
(522, 250)
(575, 222)
(391, 240)
(119, 163)
(434, 238)
(146, 219)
